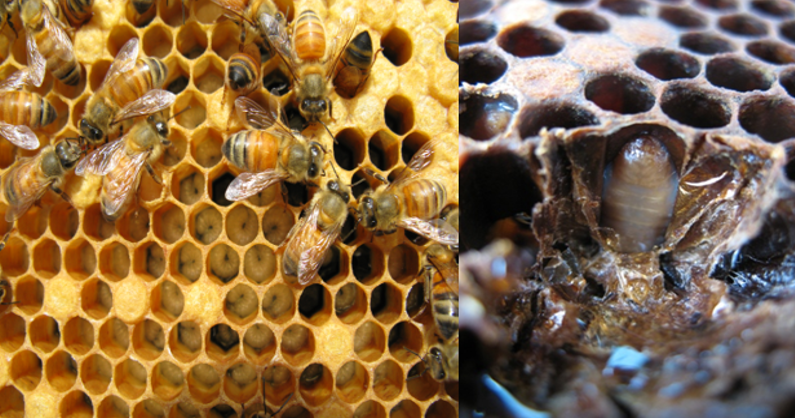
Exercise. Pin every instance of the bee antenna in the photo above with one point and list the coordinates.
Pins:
(358, 182)
(329, 132)
(180, 112)
(335, 170)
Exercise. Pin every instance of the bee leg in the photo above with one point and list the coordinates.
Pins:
(153, 174)
(63, 195)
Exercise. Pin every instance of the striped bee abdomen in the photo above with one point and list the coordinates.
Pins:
(23, 108)
(254, 151)
(310, 37)
(424, 198)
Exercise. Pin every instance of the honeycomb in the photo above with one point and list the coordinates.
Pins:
(180, 308)
(575, 110)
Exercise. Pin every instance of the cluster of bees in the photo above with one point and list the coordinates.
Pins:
(269, 153)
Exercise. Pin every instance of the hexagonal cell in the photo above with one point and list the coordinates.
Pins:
(388, 380)
(219, 183)
(64, 221)
(397, 46)
(259, 264)
(96, 298)
(350, 303)
(193, 117)
(668, 64)
(486, 116)
(188, 185)
(80, 259)
(61, 371)
(140, 19)
(223, 263)
(114, 338)
(405, 338)
(386, 303)
(298, 345)
(96, 373)
(226, 39)
(167, 301)
(113, 407)
(771, 51)
(206, 150)
(259, 344)
(47, 259)
(525, 41)
(315, 384)
(95, 225)
(157, 41)
(14, 258)
(314, 305)
(352, 382)
(148, 408)
(178, 75)
(119, 36)
(168, 223)
(240, 383)
(12, 332)
(349, 148)
(167, 380)
(76, 405)
(33, 223)
(276, 81)
(404, 263)
(620, 93)
(743, 24)
(369, 342)
(478, 66)
(149, 261)
(441, 409)
(370, 409)
(399, 115)
(335, 266)
(191, 41)
(204, 383)
(739, 74)
(176, 152)
(222, 343)
(186, 263)
(209, 74)
(383, 149)
(134, 225)
(185, 341)
(695, 107)
(367, 264)
(773, 8)
(184, 410)
(768, 117)
(25, 370)
(130, 378)
(45, 334)
(241, 304)
(241, 225)
(281, 384)
(148, 339)
(682, 17)
(174, 13)
(278, 304)
(14, 402)
(114, 261)
(276, 224)
(420, 384)
(29, 295)
(405, 409)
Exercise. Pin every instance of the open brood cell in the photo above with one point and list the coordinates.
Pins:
(180, 307)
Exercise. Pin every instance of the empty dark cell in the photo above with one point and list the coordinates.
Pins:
(362, 262)
(378, 301)
(295, 121)
(682, 17)
(276, 82)
(476, 31)
(743, 25)
(219, 189)
(787, 30)
(694, 107)
(620, 93)
(771, 118)
(582, 21)
(358, 187)
(787, 80)
(553, 115)
(399, 115)
(481, 67)
(178, 84)
(771, 51)
(473, 8)
(738, 74)
(668, 65)
(348, 234)
(331, 268)
(773, 7)
(377, 156)
(311, 301)
(224, 337)
(705, 43)
(719, 4)
(485, 117)
(525, 41)
(297, 194)
(344, 156)
(626, 7)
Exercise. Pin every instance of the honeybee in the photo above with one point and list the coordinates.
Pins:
(441, 289)
(355, 65)
(442, 361)
(20, 111)
(77, 12)
(408, 202)
(310, 61)
(310, 239)
(249, 12)
(49, 47)
(130, 88)
(270, 156)
(261, 411)
(243, 70)
(120, 161)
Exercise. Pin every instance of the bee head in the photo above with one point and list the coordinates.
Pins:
(90, 131)
(335, 187)
(367, 212)
(316, 154)
(312, 109)
(68, 153)
(436, 363)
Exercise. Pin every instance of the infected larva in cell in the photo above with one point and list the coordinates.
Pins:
(276, 224)
(224, 337)
(191, 188)
(277, 302)
(224, 262)
(190, 262)
(259, 264)
(241, 301)
(173, 224)
(153, 333)
(345, 299)
(242, 374)
(208, 225)
(189, 334)
(258, 337)
(241, 225)
(171, 298)
(311, 375)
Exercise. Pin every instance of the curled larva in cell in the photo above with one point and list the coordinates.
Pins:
(345, 299)
(120, 261)
(155, 260)
(186, 410)
(311, 375)
(171, 372)
(121, 333)
(277, 301)
(208, 224)
(259, 264)
(241, 225)
(295, 338)
(241, 301)
(224, 262)
(191, 188)
(258, 337)
(171, 298)
(346, 373)
(136, 370)
(242, 374)
(276, 224)
(104, 295)
(224, 336)
(205, 375)
(189, 334)
(173, 224)
(276, 376)
(153, 333)
(190, 262)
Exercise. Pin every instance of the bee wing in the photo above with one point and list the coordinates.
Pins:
(36, 62)
(255, 115)
(125, 60)
(278, 38)
(124, 184)
(450, 274)
(62, 42)
(418, 162)
(151, 102)
(16, 81)
(233, 9)
(249, 184)
(19, 135)
(312, 257)
(101, 160)
(436, 230)
(347, 25)
(25, 196)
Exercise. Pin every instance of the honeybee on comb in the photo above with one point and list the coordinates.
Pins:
(355, 64)
(20, 111)
(248, 13)
(49, 47)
